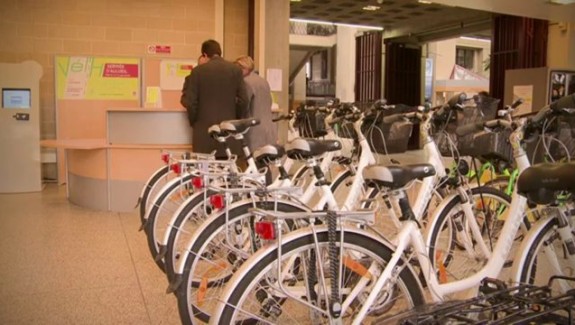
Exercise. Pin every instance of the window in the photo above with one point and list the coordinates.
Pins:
(464, 57)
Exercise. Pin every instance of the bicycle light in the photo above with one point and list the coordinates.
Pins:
(197, 182)
(266, 230)
(217, 201)
(166, 157)
(176, 168)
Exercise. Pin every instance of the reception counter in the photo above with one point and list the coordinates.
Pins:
(109, 173)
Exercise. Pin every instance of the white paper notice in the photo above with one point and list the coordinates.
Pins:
(274, 77)
(173, 73)
(525, 92)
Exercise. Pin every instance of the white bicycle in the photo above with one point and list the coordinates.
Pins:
(339, 273)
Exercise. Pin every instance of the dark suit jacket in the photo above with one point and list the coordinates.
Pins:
(213, 92)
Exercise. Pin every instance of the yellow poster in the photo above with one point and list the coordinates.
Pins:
(97, 78)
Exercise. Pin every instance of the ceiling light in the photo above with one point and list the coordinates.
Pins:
(475, 39)
(295, 0)
(427, 2)
(561, 2)
(360, 26)
(320, 22)
(371, 8)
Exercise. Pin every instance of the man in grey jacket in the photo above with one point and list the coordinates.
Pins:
(212, 93)
(259, 105)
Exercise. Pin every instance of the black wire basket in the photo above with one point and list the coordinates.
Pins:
(556, 144)
(493, 146)
(310, 123)
(387, 138)
(448, 143)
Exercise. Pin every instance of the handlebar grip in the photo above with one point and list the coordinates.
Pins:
(392, 118)
(563, 102)
(457, 100)
(469, 128)
(277, 119)
(516, 103)
(540, 115)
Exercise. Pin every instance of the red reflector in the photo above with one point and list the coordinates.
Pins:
(176, 168)
(197, 182)
(166, 157)
(266, 230)
(217, 201)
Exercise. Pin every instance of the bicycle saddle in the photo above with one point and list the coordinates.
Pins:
(395, 177)
(268, 153)
(301, 148)
(238, 126)
(539, 183)
(215, 132)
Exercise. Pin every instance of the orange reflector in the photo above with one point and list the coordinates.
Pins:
(220, 265)
(441, 267)
(356, 267)
(202, 291)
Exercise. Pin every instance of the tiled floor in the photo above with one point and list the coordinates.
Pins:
(62, 264)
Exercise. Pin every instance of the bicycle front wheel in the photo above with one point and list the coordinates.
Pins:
(547, 256)
(294, 288)
(449, 230)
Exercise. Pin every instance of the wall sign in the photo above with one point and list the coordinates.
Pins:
(97, 78)
(159, 49)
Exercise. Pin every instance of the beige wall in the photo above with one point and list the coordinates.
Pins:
(443, 53)
(561, 46)
(39, 30)
(235, 28)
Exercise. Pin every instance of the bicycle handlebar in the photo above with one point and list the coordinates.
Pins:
(282, 117)
(478, 126)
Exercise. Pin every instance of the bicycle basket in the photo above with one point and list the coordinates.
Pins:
(389, 138)
(483, 110)
(311, 124)
(493, 146)
(557, 144)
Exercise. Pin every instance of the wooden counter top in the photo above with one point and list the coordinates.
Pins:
(86, 144)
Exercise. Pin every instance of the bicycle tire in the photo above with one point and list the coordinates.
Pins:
(192, 206)
(445, 220)
(151, 183)
(368, 250)
(152, 219)
(187, 282)
(545, 257)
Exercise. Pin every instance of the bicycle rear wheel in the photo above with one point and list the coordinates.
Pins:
(298, 292)
(160, 178)
(215, 250)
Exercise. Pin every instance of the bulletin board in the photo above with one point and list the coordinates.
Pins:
(163, 81)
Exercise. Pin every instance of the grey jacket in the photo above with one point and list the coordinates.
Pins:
(260, 103)
(213, 92)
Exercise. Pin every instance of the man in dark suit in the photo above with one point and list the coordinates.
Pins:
(212, 93)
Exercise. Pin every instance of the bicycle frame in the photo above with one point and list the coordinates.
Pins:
(411, 236)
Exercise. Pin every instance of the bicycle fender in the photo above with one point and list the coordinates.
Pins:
(519, 260)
